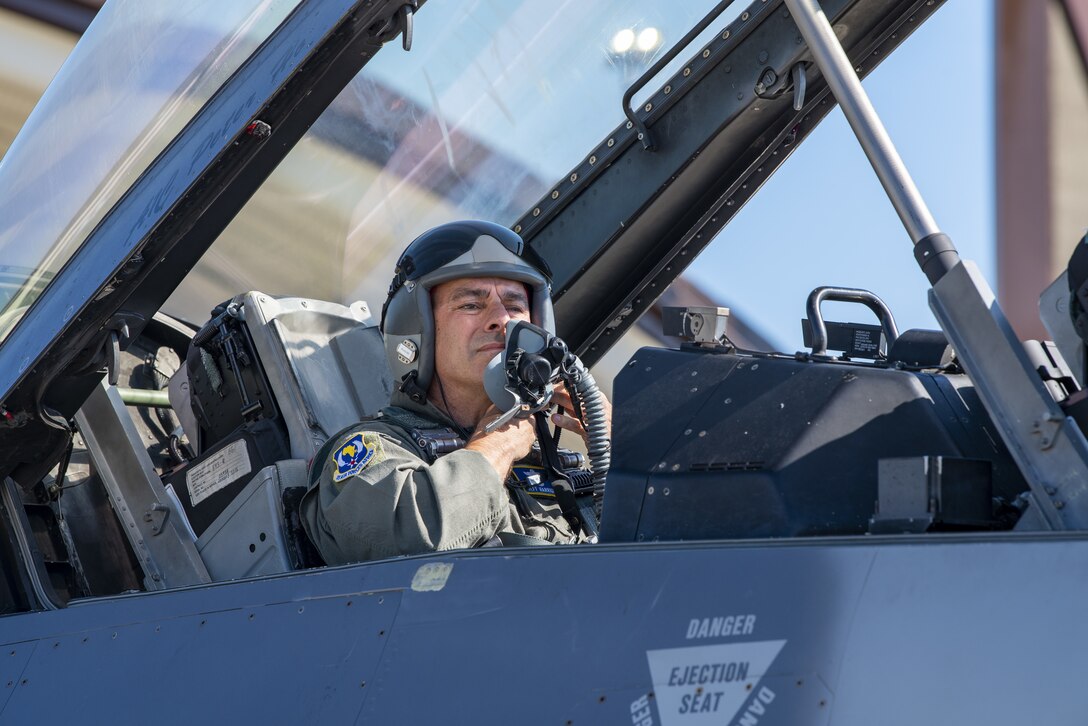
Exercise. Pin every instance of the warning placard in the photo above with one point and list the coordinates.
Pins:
(708, 684)
(217, 471)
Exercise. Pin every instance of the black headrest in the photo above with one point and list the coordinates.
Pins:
(917, 347)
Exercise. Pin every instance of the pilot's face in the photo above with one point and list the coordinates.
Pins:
(470, 317)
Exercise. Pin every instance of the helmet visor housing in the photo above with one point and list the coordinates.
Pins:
(451, 252)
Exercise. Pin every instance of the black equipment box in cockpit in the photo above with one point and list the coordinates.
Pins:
(710, 444)
(240, 428)
(228, 385)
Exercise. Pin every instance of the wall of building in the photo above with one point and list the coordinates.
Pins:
(1041, 123)
(31, 52)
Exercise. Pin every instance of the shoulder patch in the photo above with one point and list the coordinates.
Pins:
(361, 449)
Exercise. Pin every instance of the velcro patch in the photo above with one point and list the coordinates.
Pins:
(531, 479)
(362, 449)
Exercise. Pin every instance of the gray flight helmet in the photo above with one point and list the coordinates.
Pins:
(451, 252)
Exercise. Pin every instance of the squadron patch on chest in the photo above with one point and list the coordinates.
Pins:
(362, 449)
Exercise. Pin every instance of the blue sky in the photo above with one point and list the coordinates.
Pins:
(823, 218)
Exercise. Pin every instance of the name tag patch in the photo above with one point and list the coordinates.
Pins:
(362, 449)
(530, 477)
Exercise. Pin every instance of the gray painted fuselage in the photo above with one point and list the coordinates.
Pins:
(949, 629)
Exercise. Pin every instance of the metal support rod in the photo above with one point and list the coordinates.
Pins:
(874, 139)
(144, 397)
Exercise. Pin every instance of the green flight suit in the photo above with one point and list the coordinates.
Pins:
(375, 495)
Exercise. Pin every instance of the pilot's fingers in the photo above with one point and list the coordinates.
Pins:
(513, 440)
(569, 423)
(561, 397)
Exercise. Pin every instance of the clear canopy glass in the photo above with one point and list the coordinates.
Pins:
(138, 75)
(495, 102)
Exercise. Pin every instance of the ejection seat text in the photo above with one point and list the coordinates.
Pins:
(721, 626)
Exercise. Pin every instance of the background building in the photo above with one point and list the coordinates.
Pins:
(1041, 152)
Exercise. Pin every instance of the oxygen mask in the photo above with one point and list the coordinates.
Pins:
(521, 381)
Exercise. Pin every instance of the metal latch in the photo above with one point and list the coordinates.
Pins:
(800, 81)
(105, 352)
(1047, 427)
(156, 516)
(400, 24)
(117, 339)
(113, 352)
(772, 85)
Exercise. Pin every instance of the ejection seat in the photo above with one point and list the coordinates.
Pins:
(311, 368)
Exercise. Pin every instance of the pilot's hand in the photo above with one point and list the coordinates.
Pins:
(562, 398)
(505, 445)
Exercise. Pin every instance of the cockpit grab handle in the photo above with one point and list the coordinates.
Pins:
(846, 294)
(666, 58)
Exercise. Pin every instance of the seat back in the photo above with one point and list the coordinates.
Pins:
(270, 379)
(325, 364)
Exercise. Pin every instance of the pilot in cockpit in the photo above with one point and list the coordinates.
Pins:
(428, 473)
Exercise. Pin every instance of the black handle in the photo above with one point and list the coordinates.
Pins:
(846, 294)
(640, 126)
